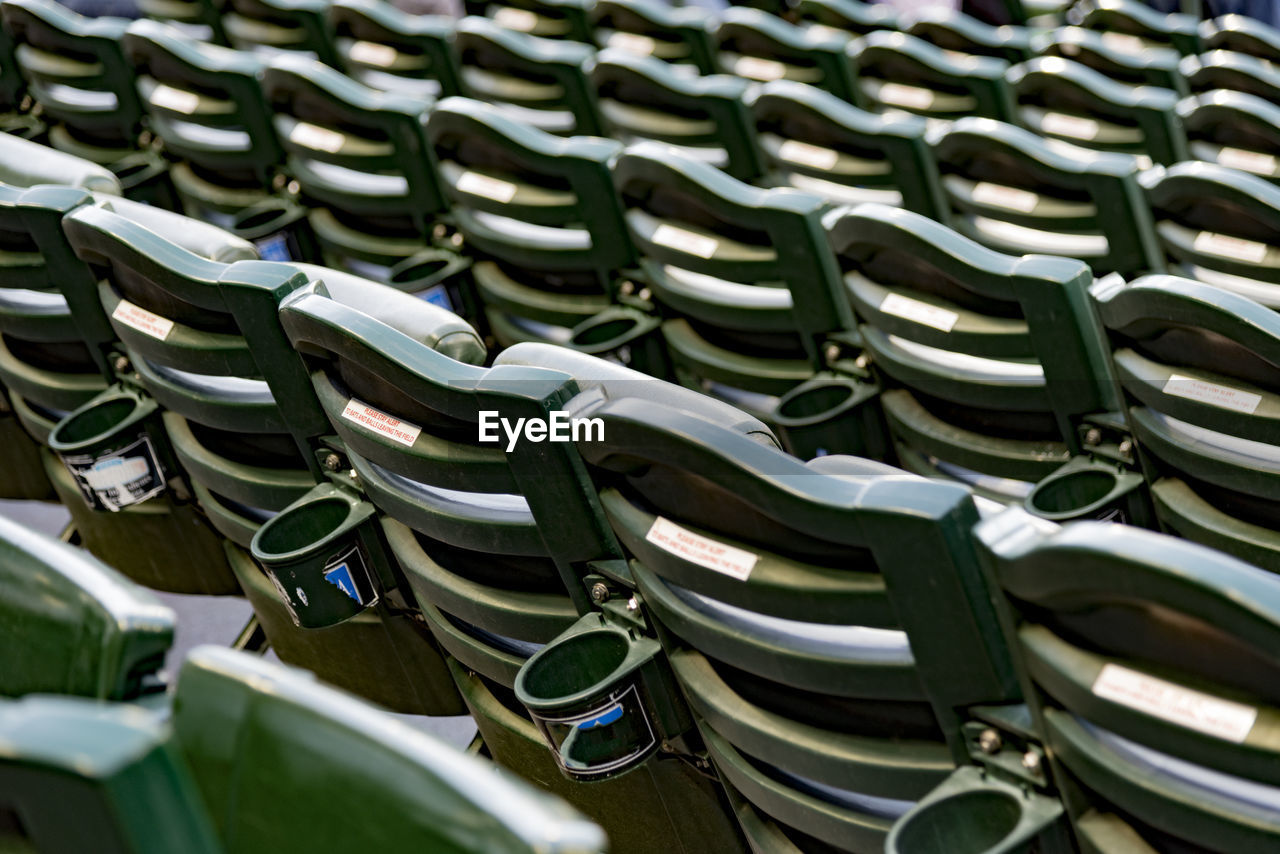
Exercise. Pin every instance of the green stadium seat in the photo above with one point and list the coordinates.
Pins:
(780, 591)
(958, 33)
(1152, 66)
(73, 625)
(1241, 34)
(750, 296)
(541, 82)
(77, 71)
(1220, 69)
(1218, 225)
(44, 366)
(813, 141)
(1133, 27)
(761, 47)
(492, 586)
(845, 18)
(1010, 190)
(384, 48)
(1197, 366)
(206, 105)
(992, 363)
(1149, 665)
(538, 214)
(902, 73)
(274, 27)
(1061, 99)
(1233, 129)
(197, 19)
(704, 117)
(680, 35)
(358, 157)
(80, 775)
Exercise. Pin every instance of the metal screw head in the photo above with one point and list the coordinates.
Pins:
(294, 188)
(989, 741)
(599, 592)
(332, 462)
(1126, 446)
(831, 352)
(633, 604)
(1031, 761)
(355, 478)
(627, 288)
(121, 364)
(1092, 436)
(645, 294)
(862, 362)
(455, 239)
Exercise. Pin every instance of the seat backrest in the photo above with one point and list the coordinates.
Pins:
(678, 35)
(705, 117)
(1153, 66)
(204, 102)
(1233, 129)
(1151, 669)
(1013, 192)
(199, 19)
(527, 198)
(761, 47)
(271, 27)
(961, 33)
(385, 48)
(1199, 367)
(1221, 69)
(81, 775)
(267, 745)
(537, 80)
(73, 625)
(813, 141)
(847, 17)
(925, 295)
(25, 164)
(1061, 99)
(76, 69)
(324, 119)
(896, 71)
(1132, 26)
(744, 261)
(549, 19)
(1218, 225)
(1241, 34)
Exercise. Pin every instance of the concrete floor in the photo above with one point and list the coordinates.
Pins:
(213, 619)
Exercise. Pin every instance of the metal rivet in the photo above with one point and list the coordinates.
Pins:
(989, 741)
(1092, 436)
(121, 364)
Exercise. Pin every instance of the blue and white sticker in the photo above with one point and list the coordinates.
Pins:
(437, 295)
(348, 573)
(274, 248)
(121, 478)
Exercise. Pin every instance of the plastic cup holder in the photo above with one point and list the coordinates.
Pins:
(625, 336)
(825, 415)
(321, 554)
(1084, 489)
(975, 821)
(114, 448)
(277, 228)
(598, 694)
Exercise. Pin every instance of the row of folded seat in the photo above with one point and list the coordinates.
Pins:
(701, 641)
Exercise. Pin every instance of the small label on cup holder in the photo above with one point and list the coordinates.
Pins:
(121, 478)
(274, 247)
(606, 739)
(348, 573)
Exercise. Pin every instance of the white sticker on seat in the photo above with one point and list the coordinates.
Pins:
(178, 100)
(314, 136)
(759, 68)
(516, 19)
(808, 155)
(489, 188)
(1226, 246)
(1249, 161)
(372, 53)
(380, 422)
(137, 317)
(920, 312)
(1001, 196)
(703, 551)
(1182, 706)
(911, 97)
(632, 43)
(1213, 394)
(685, 241)
(1077, 127)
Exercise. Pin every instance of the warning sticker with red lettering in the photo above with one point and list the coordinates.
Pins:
(380, 422)
(1174, 703)
(137, 317)
(701, 550)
